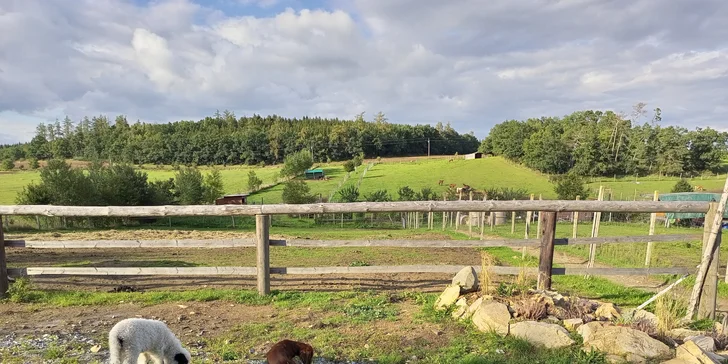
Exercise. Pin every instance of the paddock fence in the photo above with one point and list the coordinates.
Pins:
(546, 242)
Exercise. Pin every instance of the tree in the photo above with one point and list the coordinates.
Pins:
(254, 182)
(568, 186)
(33, 163)
(349, 166)
(7, 164)
(188, 184)
(297, 192)
(358, 160)
(545, 151)
(213, 186)
(425, 194)
(297, 163)
(60, 185)
(349, 194)
(682, 186)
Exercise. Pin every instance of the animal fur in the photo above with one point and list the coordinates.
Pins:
(284, 351)
(130, 338)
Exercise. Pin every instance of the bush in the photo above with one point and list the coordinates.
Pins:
(349, 166)
(189, 187)
(212, 187)
(349, 194)
(682, 186)
(297, 192)
(254, 182)
(358, 160)
(7, 165)
(425, 194)
(296, 163)
(378, 196)
(568, 186)
(507, 194)
(33, 163)
(406, 194)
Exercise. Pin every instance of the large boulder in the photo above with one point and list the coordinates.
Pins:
(467, 279)
(607, 311)
(492, 316)
(691, 353)
(706, 343)
(448, 297)
(540, 333)
(475, 306)
(681, 334)
(634, 345)
(461, 308)
(586, 331)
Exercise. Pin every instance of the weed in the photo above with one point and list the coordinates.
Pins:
(702, 325)
(486, 274)
(54, 352)
(370, 309)
(21, 290)
(669, 309)
(359, 263)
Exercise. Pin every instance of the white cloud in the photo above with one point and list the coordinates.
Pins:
(469, 62)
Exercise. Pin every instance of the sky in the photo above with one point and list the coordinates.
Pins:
(473, 63)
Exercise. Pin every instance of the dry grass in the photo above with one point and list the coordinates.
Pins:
(669, 309)
(531, 309)
(487, 277)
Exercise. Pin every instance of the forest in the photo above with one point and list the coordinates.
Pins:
(224, 139)
(596, 143)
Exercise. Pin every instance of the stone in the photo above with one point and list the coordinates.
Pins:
(467, 279)
(551, 320)
(704, 342)
(540, 333)
(492, 316)
(690, 352)
(607, 311)
(639, 315)
(448, 297)
(625, 342)
(474, 306)
(586, 331)
(573, 324)
(95, 348)
(682, 334)
(461, 307)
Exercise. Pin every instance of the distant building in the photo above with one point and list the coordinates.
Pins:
(476, 155)
(237, 199)
(314, 174)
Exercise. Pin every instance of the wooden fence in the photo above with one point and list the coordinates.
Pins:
(262, 242)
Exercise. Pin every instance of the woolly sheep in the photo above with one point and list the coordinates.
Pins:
(131, 337)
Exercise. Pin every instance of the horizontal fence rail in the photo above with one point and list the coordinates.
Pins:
(252, 271)
(357, 207)
(310, 243)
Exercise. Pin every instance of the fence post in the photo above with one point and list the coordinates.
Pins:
(710, 289)
(470, 215)
(444, 214)
(262, 233)
(653, 221)
(576, 221)
(546, 258)
(538, 223)
(595, 231)
(3, 265)
(513, 221)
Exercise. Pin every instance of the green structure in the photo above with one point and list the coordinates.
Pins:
(314, 174)
(690, 196)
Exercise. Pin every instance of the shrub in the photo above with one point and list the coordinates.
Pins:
(406, 194)
(682, 186)
(349, 166)
(349, 194)
(212, 186)
(254, 182)
(568, 186)
(189, 187)
(7, 164)
(378, 196)
(297, 192)
(296, 163)
(33, 163)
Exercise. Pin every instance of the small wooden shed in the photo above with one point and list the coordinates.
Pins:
(236, 199)
(314, 174)
(476, 155)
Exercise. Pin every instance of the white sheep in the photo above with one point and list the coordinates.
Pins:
(132, 337)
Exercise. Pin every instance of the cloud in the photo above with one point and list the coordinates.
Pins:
(470, 62)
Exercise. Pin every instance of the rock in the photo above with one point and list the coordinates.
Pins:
(690, 352)
(95, 349)
(474, 306)
(704, 342)
(639, 315)
(467, 279)
(634, 345)
(607, 311)
(718, 328)
(461, 308)
(448, 297)
(573, 324)
(539, 333)
(551, 320)
(682, 334)
(492, 316)
(586, 331)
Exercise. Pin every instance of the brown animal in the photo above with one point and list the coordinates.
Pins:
(284, 351)
(450, 160)
(452, 185)
(440, 182)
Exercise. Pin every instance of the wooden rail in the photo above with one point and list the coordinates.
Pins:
(356, 207)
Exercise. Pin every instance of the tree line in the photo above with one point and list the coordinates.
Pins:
(224, 139)
(596, 143)
(119, 185)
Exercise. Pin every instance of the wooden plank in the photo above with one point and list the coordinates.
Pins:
(107, 244)
(595, 230)
(709, 299)
(252, 271)
(715, 229)
(653, 220)
(546, 258)
(262, 234)
(4, 282)
(403, 243)
(356, 207)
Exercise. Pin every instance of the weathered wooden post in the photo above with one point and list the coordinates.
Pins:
(262, 233)
(529, 214)
(538, 223)
(595, 230)
(444, 214)
(482, 218)
(546, 258)
(653, 220)
(470, 215)
(709, 298)
(3, 265)
(457, 216)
